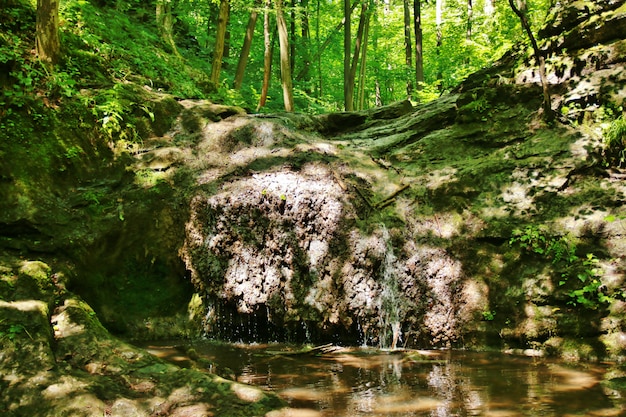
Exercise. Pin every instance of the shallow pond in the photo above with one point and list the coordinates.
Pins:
(364, 382)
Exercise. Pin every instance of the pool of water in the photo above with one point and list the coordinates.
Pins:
(364, 382)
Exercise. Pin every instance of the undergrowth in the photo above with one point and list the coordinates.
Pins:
(579, 275)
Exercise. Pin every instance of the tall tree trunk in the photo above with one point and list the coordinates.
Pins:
(408, 50)
(470, 16)
(292, 35)
(267, 55)
(438, 23)
(211, 25)
(468, 29)
(318, 56)
(347, 49)
(419, 57)
(358, 45)
(218, 51)
(165, 23)
(548, 114)
(245, 49)
(361, 95)
(47, 42)
(285, 64)
(306, 43)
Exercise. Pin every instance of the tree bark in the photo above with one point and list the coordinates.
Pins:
(285, 64)
(358, 45)
(470, 16)
(165, 23)
(468, 28)
(306, 43)
(218, 51)
(548, 114)
(267, 55)
(47, 42)
(419, 57)
(245, 49)
(438, 23)
(361, 95)
(347, 49)
(408, 50)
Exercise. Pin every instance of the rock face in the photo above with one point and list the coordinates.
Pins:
(283, 247)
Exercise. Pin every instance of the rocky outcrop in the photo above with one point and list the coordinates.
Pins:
(56, 358)
(284, 245)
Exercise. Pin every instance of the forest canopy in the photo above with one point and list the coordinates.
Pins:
(238, 52)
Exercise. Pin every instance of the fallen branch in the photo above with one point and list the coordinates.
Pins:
(384, 203)
(307, 350)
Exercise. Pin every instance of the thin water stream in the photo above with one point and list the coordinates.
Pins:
(364, 382)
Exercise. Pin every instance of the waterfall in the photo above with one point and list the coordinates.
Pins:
(389, 308)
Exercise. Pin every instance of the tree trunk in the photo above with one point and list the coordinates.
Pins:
(438, 23)
(165, 23)
(218, 51)
(245, 49)
(347, 49)
(292, 36)
(408, 50)
(378, 100)
(306, 43)
(361, 96)
(358, 45)
(548, 114)
(285, 64)
(468, 28)
(419, 57)
(318, 55)
(267, 56)
(47, 42)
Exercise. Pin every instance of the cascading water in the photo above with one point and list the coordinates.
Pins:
(389, 302)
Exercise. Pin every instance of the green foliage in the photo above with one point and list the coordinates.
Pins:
(579, 275)
(11, 331)
(615, 141)
(489, 315)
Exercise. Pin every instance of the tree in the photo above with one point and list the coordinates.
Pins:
(347, 49)
(408, 50)
(438, 23)
(165, 23)
(358, 45)
(47, 42)
(419, 57)
(245, 49)
(267, 55)
(285, 64)
(361, 95)
(468, 28)
(218, 51)
(520, 11)
(306, 42)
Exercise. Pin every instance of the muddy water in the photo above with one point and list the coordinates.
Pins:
(362, 382)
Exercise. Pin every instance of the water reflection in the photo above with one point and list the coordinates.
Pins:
(360, 382)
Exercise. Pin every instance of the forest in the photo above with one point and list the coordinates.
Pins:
(298, 56)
